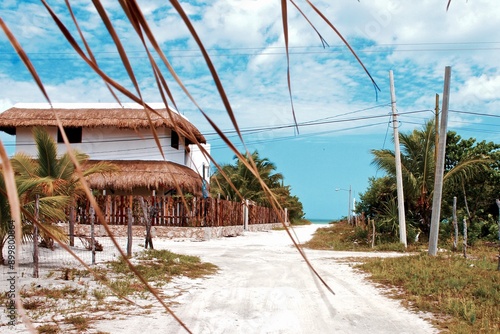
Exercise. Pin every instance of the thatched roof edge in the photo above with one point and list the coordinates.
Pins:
(125, 118)
(145, 174)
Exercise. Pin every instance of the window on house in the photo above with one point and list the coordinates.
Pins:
(74, 135)
(174, 140)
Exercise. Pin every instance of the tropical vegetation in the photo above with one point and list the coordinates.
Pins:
(472, 172)
(236, 182)
(48, 179)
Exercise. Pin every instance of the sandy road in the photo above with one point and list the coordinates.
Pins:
(264, 287)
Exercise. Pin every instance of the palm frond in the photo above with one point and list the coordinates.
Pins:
(47, 153)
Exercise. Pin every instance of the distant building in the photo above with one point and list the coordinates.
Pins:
(124, 137)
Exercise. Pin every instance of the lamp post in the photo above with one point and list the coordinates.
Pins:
(350, 210)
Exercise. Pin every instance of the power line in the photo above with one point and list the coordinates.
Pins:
(474, 113)
(230, 52)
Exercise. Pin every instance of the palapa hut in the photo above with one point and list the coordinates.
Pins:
(122, 136)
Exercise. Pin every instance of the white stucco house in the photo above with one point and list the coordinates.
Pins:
(121, 135)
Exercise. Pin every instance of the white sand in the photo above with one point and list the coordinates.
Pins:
(264, 286)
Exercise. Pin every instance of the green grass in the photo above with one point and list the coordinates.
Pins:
(160, 266)
(298, 222)
(344, 237)
(80, 323)
(463, 294)
(48, 329)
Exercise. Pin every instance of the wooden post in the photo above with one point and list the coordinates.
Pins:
(147, 220)
(498, 259)
(245, 216)
(129, 227)
(465, 237)
(35, 239)
(498, 204)
(373, 233)
(92, 236)
(72, 224)
(455, 224)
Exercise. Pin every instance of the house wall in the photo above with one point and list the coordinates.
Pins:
(113, 144)
(196, 160)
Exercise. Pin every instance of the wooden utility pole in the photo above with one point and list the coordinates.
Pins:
(439, 172)
(399, 174)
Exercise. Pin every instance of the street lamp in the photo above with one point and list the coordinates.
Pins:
(350, 210)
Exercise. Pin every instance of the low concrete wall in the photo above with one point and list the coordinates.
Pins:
(171, 232)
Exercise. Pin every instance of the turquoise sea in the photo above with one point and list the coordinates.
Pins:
(320, 221)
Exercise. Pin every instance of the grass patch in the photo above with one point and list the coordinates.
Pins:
(344, 237)
(48, 329)
(298, 222)
(66, 292)
(464, 293)
(339, 236)
(79, 322)
(158, 266)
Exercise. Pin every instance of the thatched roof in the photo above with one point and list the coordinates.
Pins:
(152, 175)
(94, 117)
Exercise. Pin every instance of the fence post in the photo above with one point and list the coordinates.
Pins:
(92, 237)
(455, 224)
(72, 225)
(465, 237)
(129, 227)
(245, 216)
(498, 204)
(35, 239)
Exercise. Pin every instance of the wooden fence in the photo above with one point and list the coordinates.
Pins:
(170, 211)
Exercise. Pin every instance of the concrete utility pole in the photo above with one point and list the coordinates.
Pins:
(349, 212)
(438, 178)
(350, 205)
(436, 140)
(399, 174)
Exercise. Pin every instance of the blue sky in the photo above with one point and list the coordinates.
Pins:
(340, 116)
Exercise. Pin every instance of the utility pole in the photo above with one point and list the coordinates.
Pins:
(399, 174)
(438, 178)
(436, 140)
(350, 205)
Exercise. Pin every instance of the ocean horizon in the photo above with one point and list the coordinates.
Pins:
(319, 221)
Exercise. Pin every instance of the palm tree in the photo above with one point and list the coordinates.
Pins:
(53, 179)
(245, 184)
(418, 165)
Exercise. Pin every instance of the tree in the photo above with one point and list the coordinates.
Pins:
(53, 179)
(242, 184)
(479, 192)
(418, 164)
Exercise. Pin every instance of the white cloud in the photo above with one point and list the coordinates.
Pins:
(483, 88)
